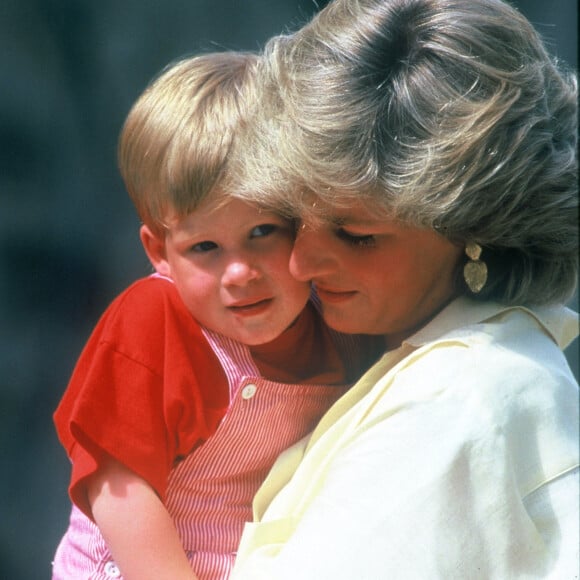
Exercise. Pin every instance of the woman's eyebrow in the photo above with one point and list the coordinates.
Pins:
(351, 221)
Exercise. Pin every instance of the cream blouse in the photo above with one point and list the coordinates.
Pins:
(454, 457)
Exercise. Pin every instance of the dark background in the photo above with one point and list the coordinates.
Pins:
(69, 72)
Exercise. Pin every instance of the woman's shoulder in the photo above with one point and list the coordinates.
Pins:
(511, 347)
(506, 359)
(493, 338)
(502, 379)
(521, 346)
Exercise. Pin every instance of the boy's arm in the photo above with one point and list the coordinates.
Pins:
(136, 525)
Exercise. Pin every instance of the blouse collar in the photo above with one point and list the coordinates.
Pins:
(558, 321)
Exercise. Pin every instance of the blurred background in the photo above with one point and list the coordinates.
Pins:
(69, 72)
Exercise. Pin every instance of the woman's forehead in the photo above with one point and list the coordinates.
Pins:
(357, 212)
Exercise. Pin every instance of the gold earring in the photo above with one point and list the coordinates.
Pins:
(475, 271)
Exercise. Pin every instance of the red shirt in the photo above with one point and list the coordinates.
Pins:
(146, 354)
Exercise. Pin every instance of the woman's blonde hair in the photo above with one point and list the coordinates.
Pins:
(449, 114)
(175, 142)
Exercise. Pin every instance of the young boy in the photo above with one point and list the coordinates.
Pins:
(195, 378)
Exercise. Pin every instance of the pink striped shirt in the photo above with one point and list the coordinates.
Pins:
(210, 492)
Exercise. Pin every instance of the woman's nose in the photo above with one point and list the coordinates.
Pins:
(238, 272)
(311, 256)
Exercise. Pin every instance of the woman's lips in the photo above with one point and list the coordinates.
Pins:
(334, 296)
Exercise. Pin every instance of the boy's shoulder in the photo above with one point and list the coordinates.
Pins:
(146, 294)
(147, 306)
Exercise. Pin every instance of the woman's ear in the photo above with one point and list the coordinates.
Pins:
(154, 247)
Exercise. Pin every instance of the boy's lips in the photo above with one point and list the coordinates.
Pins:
(250, 307)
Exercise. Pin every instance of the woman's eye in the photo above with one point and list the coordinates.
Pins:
(263, 230)
(205, 246)
(361, 241)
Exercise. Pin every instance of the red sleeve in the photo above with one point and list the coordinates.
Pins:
(146, 389)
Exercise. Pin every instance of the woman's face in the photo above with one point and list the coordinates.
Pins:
(374, 275)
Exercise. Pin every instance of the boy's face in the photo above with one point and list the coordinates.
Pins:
(229, 262)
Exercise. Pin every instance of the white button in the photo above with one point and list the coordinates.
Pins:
(111, 570)
(249, 391)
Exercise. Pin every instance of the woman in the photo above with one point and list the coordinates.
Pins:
(429, 149)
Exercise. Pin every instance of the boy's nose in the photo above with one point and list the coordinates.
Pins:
(239, 272)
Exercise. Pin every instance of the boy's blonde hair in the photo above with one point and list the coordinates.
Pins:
(174, 145)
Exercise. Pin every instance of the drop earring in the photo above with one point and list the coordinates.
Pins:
(474, 271)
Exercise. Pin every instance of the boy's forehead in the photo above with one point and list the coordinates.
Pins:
(210, 203)
(222, 208)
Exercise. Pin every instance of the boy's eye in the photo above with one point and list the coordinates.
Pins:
(263, 230)
(361, 241)
(205, 246)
